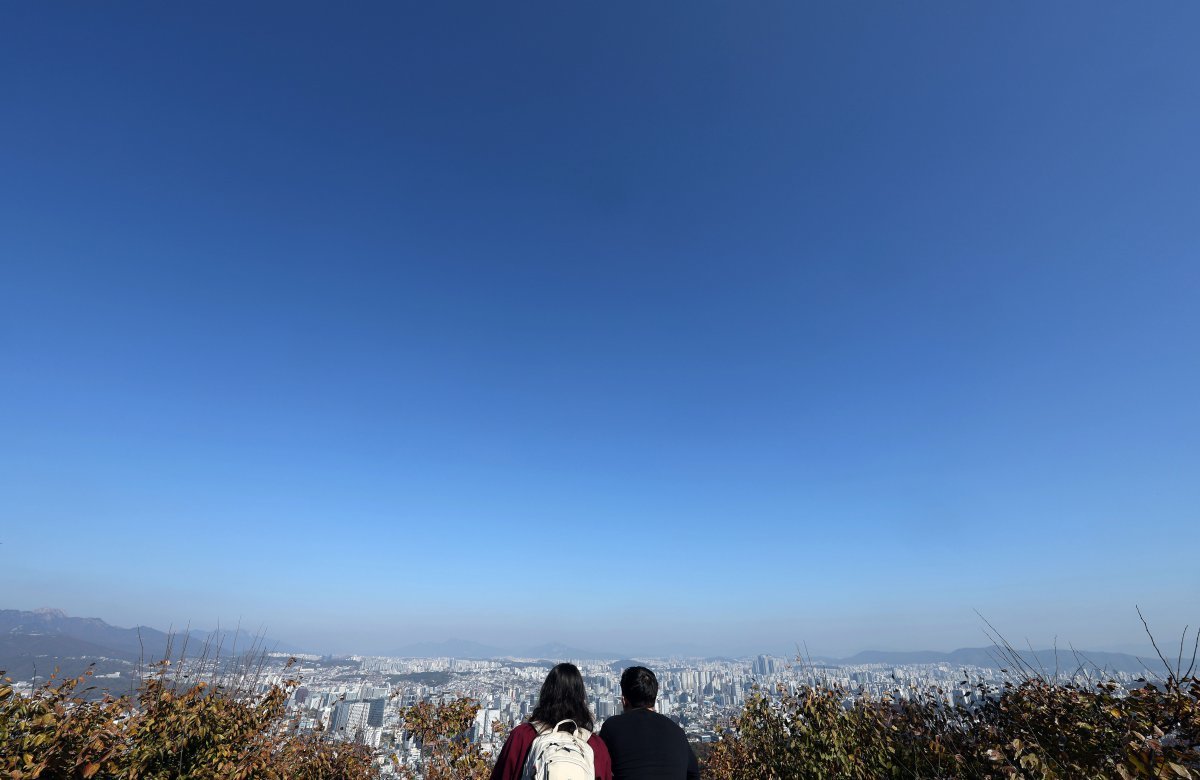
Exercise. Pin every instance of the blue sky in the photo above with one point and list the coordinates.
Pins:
(747, 324)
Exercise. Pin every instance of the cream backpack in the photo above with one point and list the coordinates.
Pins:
(560, 755)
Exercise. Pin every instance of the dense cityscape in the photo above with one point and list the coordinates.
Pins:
(359, 699)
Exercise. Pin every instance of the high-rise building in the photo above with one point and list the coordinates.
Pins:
(350, 716)
(357, 716)
(375, 712)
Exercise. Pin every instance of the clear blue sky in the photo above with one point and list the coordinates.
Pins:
(748, 323)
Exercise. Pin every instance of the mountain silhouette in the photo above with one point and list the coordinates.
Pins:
(1044, 661)
(47, 640)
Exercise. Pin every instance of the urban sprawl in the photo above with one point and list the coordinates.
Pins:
(359, 699)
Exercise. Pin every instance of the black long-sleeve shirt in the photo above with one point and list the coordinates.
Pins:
(645, 745)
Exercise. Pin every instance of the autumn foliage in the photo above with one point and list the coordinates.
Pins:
(447, 753)
(164, 731)
(1036, 729)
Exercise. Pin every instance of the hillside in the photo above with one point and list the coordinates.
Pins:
(46, 639)
(1063, 660)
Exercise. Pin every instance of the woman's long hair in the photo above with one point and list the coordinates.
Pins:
(563, 697)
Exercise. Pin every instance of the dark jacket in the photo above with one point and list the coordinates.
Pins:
(644, 745)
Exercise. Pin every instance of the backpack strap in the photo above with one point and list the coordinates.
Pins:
(543, 728)
(581, 734)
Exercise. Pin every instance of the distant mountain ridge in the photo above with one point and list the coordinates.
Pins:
(557, 650)
(43, 640)
(449, 648)
(991, 657)
(127, 644)
(466, 649)
(48, 638)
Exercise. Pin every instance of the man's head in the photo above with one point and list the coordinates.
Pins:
(639, 688)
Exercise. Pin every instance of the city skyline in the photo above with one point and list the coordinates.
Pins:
(735, 328)
(362, 700)
(261, 638)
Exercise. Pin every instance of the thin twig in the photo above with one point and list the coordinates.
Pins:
(1033, 654)
(1179, 658)
(1170, 677)
(1195, 647)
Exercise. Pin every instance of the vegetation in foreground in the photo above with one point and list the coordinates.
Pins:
(164, 731)
(1038, 728)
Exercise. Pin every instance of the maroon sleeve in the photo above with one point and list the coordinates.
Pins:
(511, 761)
(601, 758)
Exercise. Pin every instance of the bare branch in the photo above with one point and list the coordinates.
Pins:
(1034, 656)
(1195, 647)
(1009, 653)
(1179, 658)
(1170, 676)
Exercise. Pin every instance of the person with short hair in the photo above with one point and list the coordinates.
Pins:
(644, 744)
(563, 697)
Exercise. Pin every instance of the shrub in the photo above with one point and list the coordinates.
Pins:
(1035, 729)
(442, 733)
(198, 731)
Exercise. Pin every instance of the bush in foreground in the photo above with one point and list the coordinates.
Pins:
(1034, 729)
(165, 731)
(1038, 729)
(446, 751)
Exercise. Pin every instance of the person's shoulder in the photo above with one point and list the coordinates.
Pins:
(668, 719)
(525, 732)
(597, 744)
(612, 719)
(614, 723)
(665, 722)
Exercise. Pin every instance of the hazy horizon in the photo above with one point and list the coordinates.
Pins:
(624, 326)
(383, 640)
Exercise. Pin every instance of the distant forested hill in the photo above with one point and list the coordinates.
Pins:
(1064, 661)
(48, 639)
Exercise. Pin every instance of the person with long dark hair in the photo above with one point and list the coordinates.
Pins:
(562, 698)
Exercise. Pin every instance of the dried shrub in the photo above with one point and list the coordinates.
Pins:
(165, 731)
(1035, 729)
(442, 731)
